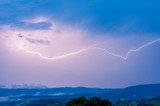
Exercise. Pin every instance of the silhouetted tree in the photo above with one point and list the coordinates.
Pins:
(81, 101)
(94, 101)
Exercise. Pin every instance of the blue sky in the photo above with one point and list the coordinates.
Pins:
(33, 31)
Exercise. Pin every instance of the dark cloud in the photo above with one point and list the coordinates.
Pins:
(106, 15)
(33, 26)
(38, 41)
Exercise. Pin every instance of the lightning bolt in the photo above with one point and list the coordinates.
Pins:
(129, 51)
(55, 57)
(141, 47)
(91, 48)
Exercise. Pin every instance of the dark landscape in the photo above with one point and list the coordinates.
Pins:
(59, 96)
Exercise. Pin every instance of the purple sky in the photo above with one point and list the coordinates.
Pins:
(59, 43)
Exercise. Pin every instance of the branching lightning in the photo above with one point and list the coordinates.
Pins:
(90, 48)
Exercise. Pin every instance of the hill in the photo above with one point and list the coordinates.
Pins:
(65, 93)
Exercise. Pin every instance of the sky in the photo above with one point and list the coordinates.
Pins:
(70, 43)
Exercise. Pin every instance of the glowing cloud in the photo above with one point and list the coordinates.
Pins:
(62, 38)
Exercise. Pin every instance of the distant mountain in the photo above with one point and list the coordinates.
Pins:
(29, 86)
(65, 93)
(2, 86)
(134, 92)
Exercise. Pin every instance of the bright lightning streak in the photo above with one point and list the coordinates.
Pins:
(141, 47)
(91, 48)
(55, 57)
(129, 51)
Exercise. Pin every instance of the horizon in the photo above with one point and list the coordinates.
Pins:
(38, 86)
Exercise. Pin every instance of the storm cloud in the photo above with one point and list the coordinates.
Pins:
(31, 32)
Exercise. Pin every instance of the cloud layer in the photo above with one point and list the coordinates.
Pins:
(94, 36)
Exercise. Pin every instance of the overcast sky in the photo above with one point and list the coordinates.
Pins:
(91, 43)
